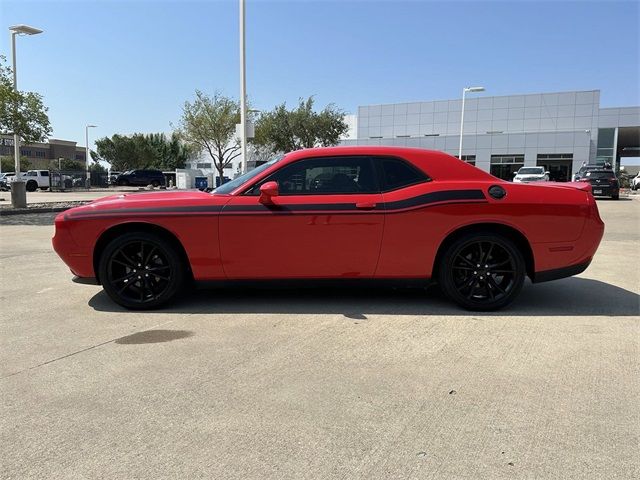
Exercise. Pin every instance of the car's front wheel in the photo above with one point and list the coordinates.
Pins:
(141, 270)
(482, 271)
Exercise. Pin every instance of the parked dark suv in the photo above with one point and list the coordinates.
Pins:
(603, 183)
(140, 177)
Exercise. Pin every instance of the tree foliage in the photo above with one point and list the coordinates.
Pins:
(21, 112)
(138, 151)
(8, 164)
(283, 130)
(208, 126)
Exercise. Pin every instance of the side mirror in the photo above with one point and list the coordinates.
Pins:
(547, 173)
(515, 173)
(267, 191)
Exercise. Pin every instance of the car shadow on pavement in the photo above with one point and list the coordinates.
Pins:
(567, 297)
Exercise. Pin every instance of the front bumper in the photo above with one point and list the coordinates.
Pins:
(78, 259)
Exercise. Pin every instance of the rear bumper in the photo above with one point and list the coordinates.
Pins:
(604, 191)
(555, 274)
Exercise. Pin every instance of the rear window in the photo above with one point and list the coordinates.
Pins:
(397, 173)
(599, 175)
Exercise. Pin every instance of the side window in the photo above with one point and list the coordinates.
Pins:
(44, 173)
(325, 176)
(397, 173)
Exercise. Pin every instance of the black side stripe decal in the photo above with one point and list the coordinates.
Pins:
(442, 197)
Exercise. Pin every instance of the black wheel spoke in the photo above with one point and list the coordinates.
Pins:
(126, 277)
(130, 262)
(128, 265)
(157, 269)
(499, 264)
(467, 261)
(146, 260)
(490, 291)
(472, 289)
(488, 254)
(494, 284)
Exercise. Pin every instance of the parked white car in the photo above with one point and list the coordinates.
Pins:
(635, 182)
(531, 174)
(34, 179)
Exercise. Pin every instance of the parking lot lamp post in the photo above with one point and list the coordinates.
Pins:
(86, 155)
(464, 92)
(18, 191)
(243, 91)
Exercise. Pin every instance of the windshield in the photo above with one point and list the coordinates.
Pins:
(600, 175)
(531, 171)
(236, 182)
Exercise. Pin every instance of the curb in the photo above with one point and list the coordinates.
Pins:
(27, 211)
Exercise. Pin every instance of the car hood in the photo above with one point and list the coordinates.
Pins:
(526, 176)
(152, 202)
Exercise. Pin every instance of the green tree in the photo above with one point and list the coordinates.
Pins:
(21, 113)
(66, 164)
(283, 130)
(9, 164)
(140, 151)
(208, 125)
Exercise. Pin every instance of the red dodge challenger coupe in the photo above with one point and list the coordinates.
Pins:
(343, 213)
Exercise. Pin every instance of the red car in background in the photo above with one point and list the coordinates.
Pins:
(343, 213)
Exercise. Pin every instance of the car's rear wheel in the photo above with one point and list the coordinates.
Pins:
(616, 196)
(141, 270)
(31, 186)
(482, 271)
(155, 184)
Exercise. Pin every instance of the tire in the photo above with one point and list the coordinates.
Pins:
(127, 256)
(123, 183)
(478, 288)
(616, 196)
(155, 184)
(31, 186)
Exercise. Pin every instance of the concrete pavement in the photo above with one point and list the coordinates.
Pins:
(309, 384)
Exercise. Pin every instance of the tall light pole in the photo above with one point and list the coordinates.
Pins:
(86, 155)
(464, 92)
(243, 92)
(18, 192)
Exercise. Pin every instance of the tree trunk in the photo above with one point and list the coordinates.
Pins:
(220, 168)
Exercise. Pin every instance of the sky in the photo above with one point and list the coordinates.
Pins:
(129, 66)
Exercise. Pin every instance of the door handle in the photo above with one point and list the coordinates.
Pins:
(366, 205)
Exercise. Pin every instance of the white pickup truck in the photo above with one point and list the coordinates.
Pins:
(34, 179)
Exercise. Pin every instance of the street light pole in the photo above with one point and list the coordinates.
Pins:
(18, 191)
(86, 155)
(464, 92)
(243, 91)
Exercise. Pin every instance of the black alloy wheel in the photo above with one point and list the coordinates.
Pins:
(482, 272)
(141, 270)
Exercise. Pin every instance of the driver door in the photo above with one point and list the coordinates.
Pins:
(325, 222)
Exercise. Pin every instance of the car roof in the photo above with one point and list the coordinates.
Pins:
(436, 164)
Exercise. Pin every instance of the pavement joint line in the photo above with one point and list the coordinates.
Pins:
(82, 350)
